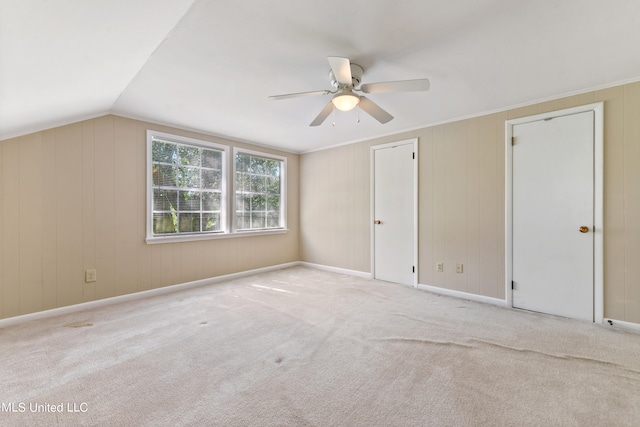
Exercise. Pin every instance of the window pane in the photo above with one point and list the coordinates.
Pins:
(257, 165)
(272, 168)
(189, 222)
(211, 159)
(164, 223)
(211, 202)
(164, 175)
(242, 182)
(211, 222)
(211, 179)
(257, 220)
(273, 219)
(188, 177)
(187, 191)
(243, 203)
(242, 162)
(273, 185)
(258, 184)
(189, 155)
(189, 201)
(258, 192)
(273, 203)
(258, 203)
(163, 152)
(243, 221)
(165, 200)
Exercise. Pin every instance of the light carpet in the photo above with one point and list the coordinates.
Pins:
(304, 347)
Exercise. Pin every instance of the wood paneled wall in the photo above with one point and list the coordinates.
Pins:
(462, 201)
(74, 198)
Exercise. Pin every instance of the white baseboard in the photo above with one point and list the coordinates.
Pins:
(338, 270)
(629, 326)
(464, 295)
(135, 296)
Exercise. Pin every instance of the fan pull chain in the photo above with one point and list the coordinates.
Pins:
(333, 117)
(358, 118)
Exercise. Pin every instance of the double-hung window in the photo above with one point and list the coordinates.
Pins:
(192, 195)
(187, 186)
(259, 191)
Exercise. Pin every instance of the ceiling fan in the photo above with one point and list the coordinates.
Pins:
(345, 77)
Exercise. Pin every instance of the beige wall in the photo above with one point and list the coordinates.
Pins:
(461, 201)
(74, 198)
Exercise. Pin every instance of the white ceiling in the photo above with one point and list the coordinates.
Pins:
(209, 65)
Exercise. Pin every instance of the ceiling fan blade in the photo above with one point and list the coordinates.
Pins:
(374, 110)
(341, 68)
(299, 94)
(398, 86)
(323, 115)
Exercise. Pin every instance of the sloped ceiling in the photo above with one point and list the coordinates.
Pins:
(210, 65)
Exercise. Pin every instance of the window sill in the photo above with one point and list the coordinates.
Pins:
(213, 236)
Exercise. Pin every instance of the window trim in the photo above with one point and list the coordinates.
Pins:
(283, 192)
(228, 198)
(182, 237)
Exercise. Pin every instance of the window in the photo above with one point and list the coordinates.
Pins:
(259, 191)
(187, 186)
(192, 195)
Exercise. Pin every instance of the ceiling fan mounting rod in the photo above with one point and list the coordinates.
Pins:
(356, 77)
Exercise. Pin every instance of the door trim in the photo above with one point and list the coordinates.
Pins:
(598, 167)
(414, 142)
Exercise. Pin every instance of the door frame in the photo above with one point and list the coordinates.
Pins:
(414, 143)
(598, 168)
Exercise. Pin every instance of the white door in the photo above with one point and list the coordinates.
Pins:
(553, 216)
(394, 228)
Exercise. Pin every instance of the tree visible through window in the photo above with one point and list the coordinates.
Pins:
(259, 192)
(187, 187)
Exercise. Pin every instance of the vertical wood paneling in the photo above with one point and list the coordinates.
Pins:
(144, 254)
(11, 227)
(88, 207)
(427, 261)
(49, 219)
(439, 243)
(124, 208)
(632, 201)
(88, 171)
(31, 209)
(529, 110)
(456, 196)
(104, 171)
(73, 198)
(614, 218)
(473, 265)
(575, 101)
(488, 206)
(69, 214)
(500, 202)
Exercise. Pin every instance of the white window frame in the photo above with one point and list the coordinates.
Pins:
(228, 194)
(283, 193)
(181, 237)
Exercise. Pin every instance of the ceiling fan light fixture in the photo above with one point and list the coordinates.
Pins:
(345, 101)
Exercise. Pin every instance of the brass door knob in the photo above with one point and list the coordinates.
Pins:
(583, 229)
(377, 222)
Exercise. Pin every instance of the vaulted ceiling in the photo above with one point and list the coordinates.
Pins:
(210, 65)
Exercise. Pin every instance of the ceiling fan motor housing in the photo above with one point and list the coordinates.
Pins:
(356, 77)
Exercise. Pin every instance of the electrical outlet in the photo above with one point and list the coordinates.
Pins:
(458, 268)
(440, 267)
(89, 276)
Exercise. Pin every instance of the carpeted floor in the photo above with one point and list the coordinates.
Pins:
(304, 347)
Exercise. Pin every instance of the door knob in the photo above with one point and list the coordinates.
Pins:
(583, 229)
(377, 222)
